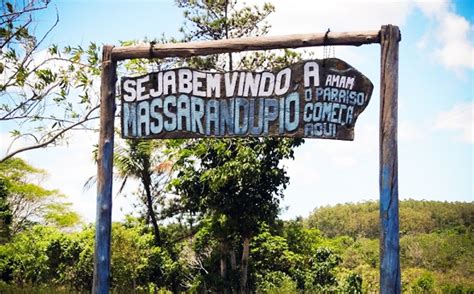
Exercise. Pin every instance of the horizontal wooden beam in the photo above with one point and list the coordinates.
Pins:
(244, 44)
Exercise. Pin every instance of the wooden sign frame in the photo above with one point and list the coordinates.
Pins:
(388, 37)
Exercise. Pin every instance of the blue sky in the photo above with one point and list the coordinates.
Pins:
(435, 98)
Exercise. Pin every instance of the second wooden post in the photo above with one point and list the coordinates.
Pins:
(103, 226)
(389, 225)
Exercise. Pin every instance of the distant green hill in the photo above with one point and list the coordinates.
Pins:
(362, 219)
(436, 243)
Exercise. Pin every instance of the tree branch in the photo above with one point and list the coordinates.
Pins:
(7, 40)
(52, 139)
(35, 97)
(26, 9)
(30, 52)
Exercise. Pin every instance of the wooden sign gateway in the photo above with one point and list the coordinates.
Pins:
(311, 99)
(289, 99)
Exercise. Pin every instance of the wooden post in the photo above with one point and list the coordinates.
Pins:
(389, 226)
(104, 172)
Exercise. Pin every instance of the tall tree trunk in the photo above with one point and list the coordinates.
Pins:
(223, 262)
(233, 265)
(204, 287)
(223, 266)
(146, 180)
(233, 260)
(244, 265)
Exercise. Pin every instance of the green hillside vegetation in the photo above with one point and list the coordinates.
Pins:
(416, 217)
(436, 240)
(286, 257)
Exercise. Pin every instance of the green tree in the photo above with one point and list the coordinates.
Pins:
(144, 161)
(5, 213)
(70, 258)
(323, 267)
(24, 260)
(273, 261)
(436, 240)
(45, 91)
(300, 239)
(28, 201)
(240, 181)
(424, 284)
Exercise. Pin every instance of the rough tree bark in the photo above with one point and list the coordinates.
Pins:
(244, 265)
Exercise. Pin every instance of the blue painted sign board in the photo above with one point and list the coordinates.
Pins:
(310, 99)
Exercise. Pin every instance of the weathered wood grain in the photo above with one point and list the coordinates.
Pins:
(104, 172)
(389, 230)
(244, 44)
(322, 102)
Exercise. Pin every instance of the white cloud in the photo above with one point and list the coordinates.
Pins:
(456, 51)
(447, 39)
(329, 172)
(4, 142)
(410, 131)
(339, 15)
(344, 154)
(308, 16)
(432, 8)
(339, 154)
(460, 119)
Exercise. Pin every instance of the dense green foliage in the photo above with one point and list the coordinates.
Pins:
(24, 202)
(5, 212)
(235, 185)
(362, 220)
(436, 243)
(286, 257)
